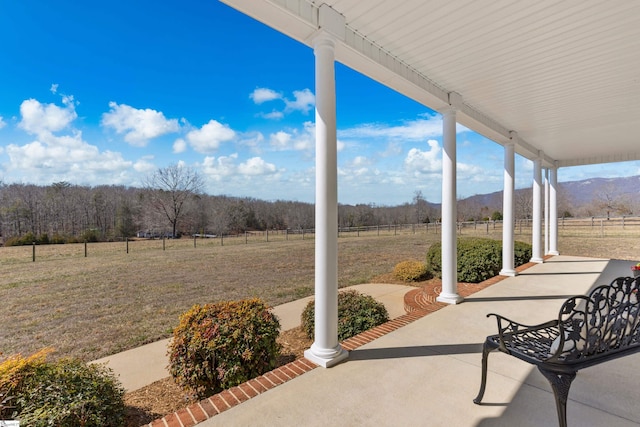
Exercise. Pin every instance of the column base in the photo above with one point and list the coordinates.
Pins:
(506, 272)
(537, 260)
(554, 253)
(326, 357)
(449, 298)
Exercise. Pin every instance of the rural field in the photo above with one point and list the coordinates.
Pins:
(111, 300)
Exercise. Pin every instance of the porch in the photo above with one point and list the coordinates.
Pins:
(428, 372)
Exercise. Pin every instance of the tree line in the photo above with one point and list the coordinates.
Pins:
(171, 203)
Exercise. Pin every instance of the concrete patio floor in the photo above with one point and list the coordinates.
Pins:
(428, 372)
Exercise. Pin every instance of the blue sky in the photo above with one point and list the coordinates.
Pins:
(106, 95)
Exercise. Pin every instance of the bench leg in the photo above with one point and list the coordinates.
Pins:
(485, 355)
(560, 383)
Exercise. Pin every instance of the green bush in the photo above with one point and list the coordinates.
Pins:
(91, 236)
(410, 271)
(58, 239)
(478, 258)
(522, 253)
(356, 313)
(66, 393)
(28, 239)
(218, 346)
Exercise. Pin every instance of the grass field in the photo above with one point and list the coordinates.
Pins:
(111, 300)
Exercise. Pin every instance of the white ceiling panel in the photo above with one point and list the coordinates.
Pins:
(564, 75)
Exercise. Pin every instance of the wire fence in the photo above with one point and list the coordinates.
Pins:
(603, 227)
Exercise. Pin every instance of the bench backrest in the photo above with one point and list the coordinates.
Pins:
(607, 320)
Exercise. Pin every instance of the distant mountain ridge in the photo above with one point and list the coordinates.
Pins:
(576, 194)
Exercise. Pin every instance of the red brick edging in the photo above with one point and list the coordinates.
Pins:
(416, 306)
(212, 406)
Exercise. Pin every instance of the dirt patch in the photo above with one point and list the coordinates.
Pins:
(165, 396)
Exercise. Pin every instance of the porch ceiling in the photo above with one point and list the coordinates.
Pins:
(564, 75)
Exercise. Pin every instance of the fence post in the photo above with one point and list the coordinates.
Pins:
(85, 248)
(267, 234)
(601, 228)
(127, 241)
(286, 234)
(33, 256)
(164, 246)
(487, 227)
(222, 239)
(194, 241)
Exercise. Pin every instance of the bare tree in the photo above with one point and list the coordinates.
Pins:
(170, 188)
(523, 203)
(610, 200)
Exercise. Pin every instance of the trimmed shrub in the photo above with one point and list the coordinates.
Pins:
(410, 271)
(218, 346)
(67, 392)
(356, 313)
(478, 258)
(522, 253)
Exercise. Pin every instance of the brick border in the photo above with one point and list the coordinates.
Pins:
(417, 305)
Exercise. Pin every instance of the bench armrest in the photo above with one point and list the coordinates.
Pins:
(508, 326)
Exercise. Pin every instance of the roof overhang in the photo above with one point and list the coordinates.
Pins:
(560, 79)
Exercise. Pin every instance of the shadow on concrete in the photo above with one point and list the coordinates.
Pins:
(523, 298)
(416, 351)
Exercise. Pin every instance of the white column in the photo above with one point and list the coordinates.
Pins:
(449, 293)
(326, 351)
(508, 208)
(546, 211)
(553, 212)
(536, 229)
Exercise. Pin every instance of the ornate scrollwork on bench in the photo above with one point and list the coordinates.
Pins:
(590, 329)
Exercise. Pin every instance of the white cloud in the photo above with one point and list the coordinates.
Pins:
(274, 115)
(360, 161)
(424, 162)
(143, 166)
(297, 140)
(256, 166)
(42, 119)
(179, 146)
(304, 101)
(261, 94)
(208, 138)
(410, 130)
(54, 88)
(139, 126)
(220, 168)
(2, 123)
(253, 140)
(394, 148)
(280, 140)
(467, 171)
(67, 158)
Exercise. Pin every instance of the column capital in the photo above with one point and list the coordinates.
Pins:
(321, 38)
(455, 104)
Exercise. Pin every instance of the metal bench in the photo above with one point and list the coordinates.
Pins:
(590, 329)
